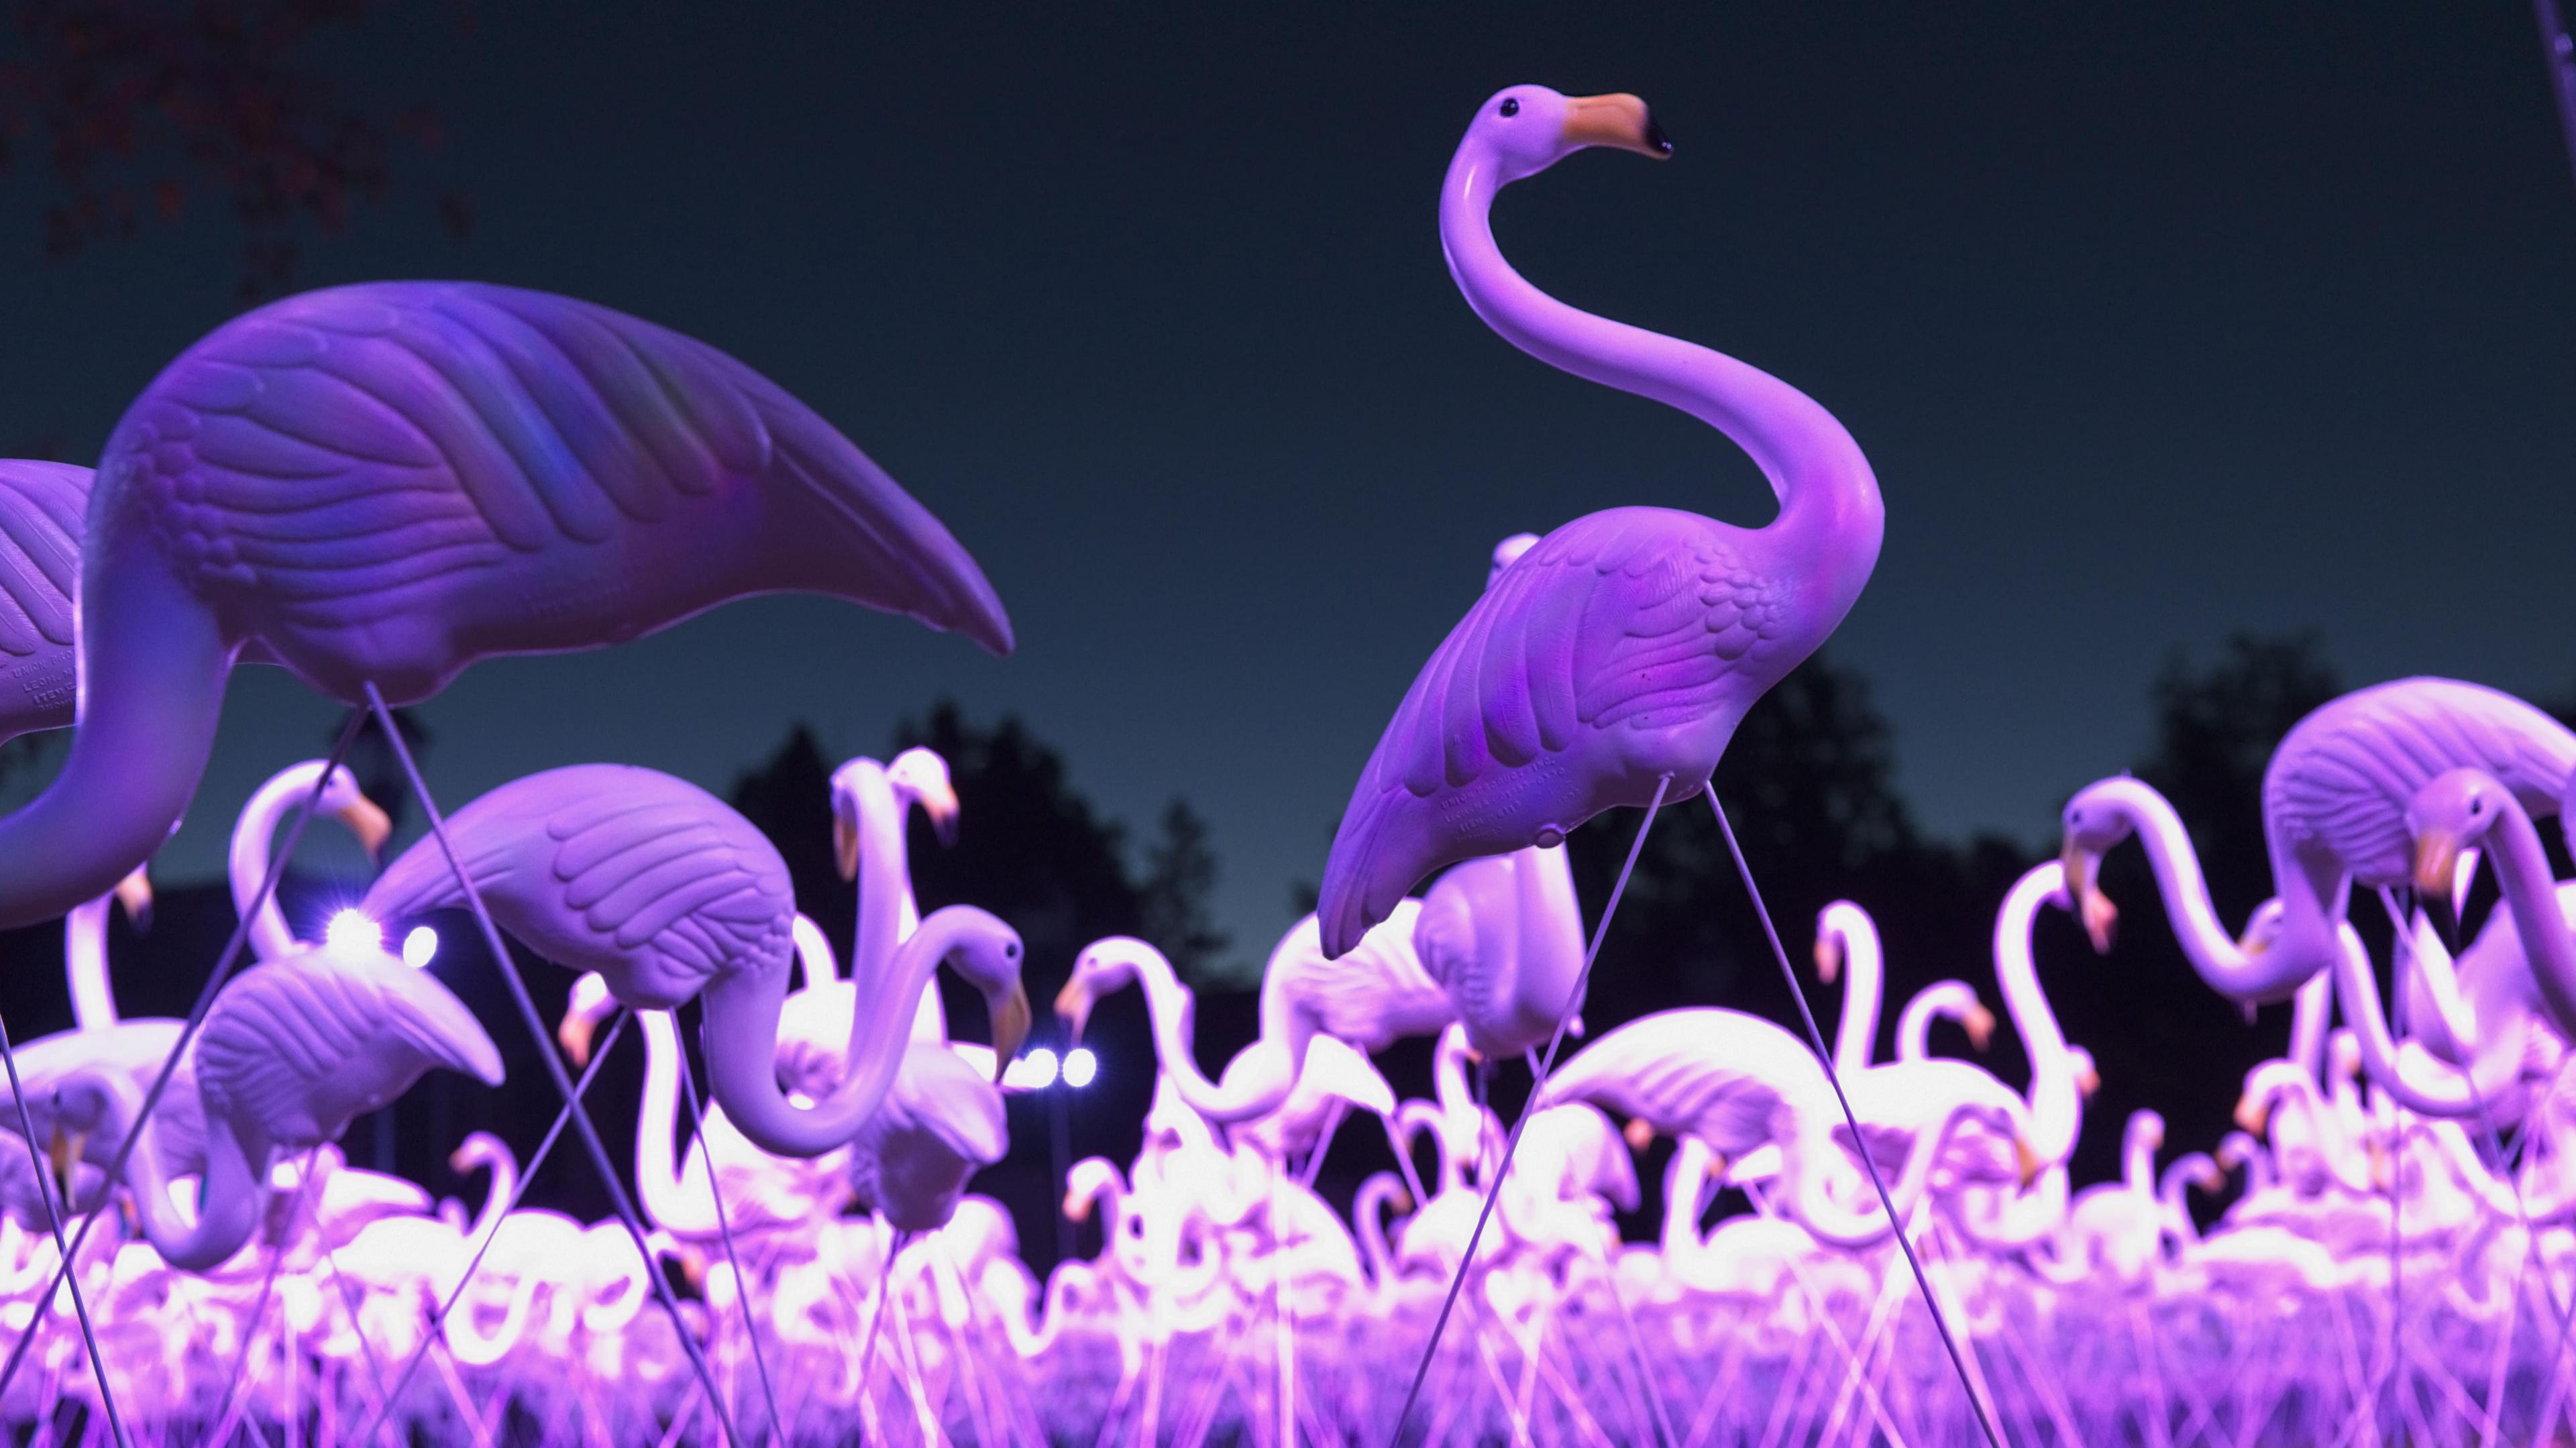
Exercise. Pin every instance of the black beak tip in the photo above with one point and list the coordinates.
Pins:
(1655, 137)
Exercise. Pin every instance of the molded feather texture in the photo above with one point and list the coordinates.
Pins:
(2345, 774)
(1626, 644)
(297, 1049)
(648, 880)
(42, 511)
(942, 1123)
(454, 470)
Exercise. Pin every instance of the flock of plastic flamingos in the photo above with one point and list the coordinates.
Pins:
(374, 486)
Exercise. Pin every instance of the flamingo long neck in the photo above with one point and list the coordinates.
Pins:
(881, 877)
(2138, 1163)
(1260, 1085)
(2221, 960)
(1856, 1034)
(1461, 1131)
(1831, 518)
(1685, 1196)
(1368, 1206)
(1813, 1154)
(2311, 1012)
(253, 834)
(666, 1198)
(1548, 940)
(2522, 870)
(85, 964)
(2419, 1080)
(2056, 1103)
(230, 1196)
(741, 1032)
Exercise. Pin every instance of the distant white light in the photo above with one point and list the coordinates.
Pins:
(1041, 1068)
(419, 947)
(1080, 1066)
(352, 932)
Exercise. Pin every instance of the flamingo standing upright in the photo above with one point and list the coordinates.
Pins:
(870, 804)
(255, 831)
(1610, 664)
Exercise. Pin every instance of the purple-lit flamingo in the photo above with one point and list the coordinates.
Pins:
(290, 1054)
(377, 485)
(2469, 808)
(667, 893)
(870, 804)
(2334, 803)
(1738, 1082)
(1612, 661)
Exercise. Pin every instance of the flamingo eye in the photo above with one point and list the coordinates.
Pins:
(2478, 805)
(1511, 106)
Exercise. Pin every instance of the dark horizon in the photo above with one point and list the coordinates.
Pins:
(2156, 327)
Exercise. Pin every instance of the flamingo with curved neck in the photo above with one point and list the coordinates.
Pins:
(667, 892)
(85, 949)
(2469, 808)
(1943, 1000)
(1738, 1082)
(1847, 939)
(255, 832)
(870, 804)
(1612, 661)
(377, 485)
(2334, 798)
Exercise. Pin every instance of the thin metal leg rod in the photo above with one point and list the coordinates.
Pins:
(54, 1220)
(188, 1032)
(724, 1234)
(537, 1032)
(1512, 1143)
(1825, 1057)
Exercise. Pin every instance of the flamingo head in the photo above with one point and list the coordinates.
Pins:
(920, 777)
(1104, 967)
(1979, 1023)
(2093, 827)
(134, 892)
(342, 800)
(2451, 813)
(1527, 128)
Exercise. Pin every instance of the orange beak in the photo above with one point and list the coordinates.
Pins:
(1620, 121)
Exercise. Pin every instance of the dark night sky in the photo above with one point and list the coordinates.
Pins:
(2157, 321)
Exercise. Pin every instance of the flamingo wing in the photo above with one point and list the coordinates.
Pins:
(357, 452)
(649, 880)
(1644, 617)
(2344, 776)
(304, 1045)
(42, 507)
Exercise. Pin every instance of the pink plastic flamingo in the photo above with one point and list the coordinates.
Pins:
(870, 805)
(1615, 658)
(2334, 803)
(1738, 1082)
(291, 1053)
(377, 485)
(2469, 808)
(667, 893)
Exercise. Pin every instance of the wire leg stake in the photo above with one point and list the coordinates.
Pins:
(1512, 1143)
(430, 1337)
(724, 1231)
(54, 1220)
(1824, 1057)
(536, 1025)
(187, 1034)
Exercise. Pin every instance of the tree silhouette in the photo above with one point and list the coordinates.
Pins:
(1180, 875)
(137, 106)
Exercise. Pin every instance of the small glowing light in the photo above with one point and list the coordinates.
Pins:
(1041, 1064)
(352, 932)
(1080, 1066)
(419, 947)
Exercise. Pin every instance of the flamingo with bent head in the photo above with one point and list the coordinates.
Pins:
(377, 485)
